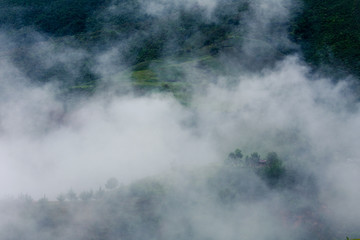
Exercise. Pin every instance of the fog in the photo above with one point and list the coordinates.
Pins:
(161, 7)
(50, 144)
(126, 137)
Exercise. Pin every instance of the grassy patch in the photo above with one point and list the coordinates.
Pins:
(144, 76)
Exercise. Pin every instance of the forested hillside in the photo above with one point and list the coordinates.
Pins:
(327, 32)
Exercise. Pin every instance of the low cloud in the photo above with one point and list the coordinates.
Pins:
(50, 144)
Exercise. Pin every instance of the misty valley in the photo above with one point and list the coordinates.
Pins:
(170, 208)
(179, 119)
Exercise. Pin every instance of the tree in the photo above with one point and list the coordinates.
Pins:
(275, 168)
(272, 157)
(253, 159)
(238, 154)
(86, 195)
(71, 195)
(112, 183)
(235, 157)
(231, 155)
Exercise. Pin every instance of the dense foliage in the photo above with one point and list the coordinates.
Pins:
(56, 17)
(327, 31)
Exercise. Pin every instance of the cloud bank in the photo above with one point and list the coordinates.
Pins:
(49, 145)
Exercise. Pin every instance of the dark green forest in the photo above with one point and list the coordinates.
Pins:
(327, 33)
